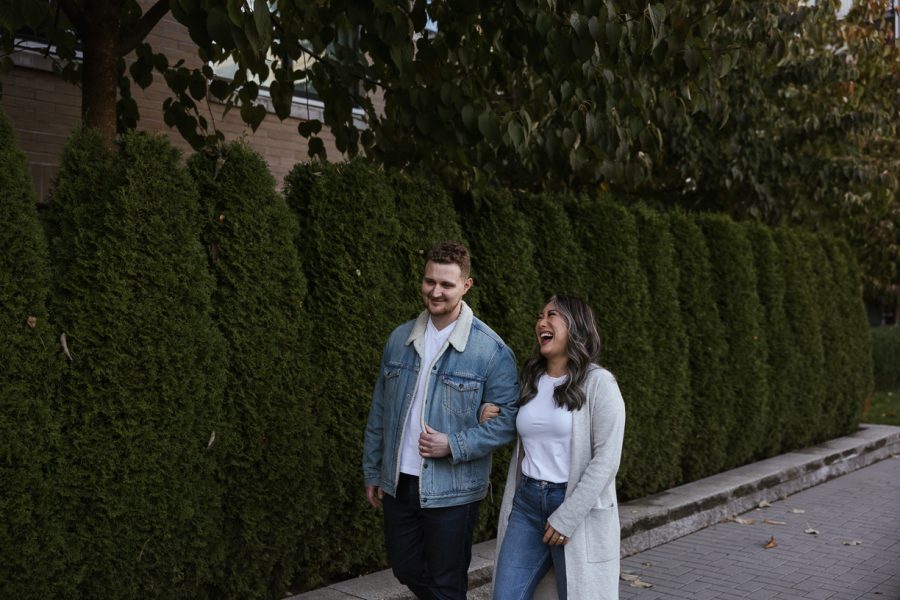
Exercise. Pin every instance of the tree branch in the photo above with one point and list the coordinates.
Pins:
(136, 34)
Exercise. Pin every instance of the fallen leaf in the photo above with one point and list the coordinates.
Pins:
(774, 522)
(853, 543)
(796, 511)
(764, 504)
(212, 438)
(31, 321)
(647, 564)
(810, 530)
(771, 543)
(741, 521)
(635, 581)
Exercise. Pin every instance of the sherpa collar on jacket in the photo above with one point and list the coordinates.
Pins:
(458, 339)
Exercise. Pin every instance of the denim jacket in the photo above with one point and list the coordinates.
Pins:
(473, 367)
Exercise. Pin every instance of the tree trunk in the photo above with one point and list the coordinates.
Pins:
(99, 89)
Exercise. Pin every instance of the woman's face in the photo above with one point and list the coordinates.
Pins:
(552, 333)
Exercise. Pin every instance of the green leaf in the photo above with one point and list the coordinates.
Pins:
(489, 126)
(317, 148)
(596, 29)
(308, 128)
(263, 20)
(219, 27)
(468, 117)
(219, 88)
(516, 134)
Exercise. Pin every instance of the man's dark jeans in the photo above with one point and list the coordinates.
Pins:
(429, 548)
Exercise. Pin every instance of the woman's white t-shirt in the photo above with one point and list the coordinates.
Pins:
(546, 432)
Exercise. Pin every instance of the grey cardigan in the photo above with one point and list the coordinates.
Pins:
(589, 516)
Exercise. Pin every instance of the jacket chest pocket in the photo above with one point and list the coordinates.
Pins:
(459, 395)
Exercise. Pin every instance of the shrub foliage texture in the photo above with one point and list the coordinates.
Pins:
(223, 340)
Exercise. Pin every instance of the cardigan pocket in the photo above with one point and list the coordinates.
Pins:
(602, 534)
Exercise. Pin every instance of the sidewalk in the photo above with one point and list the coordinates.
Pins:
(676, 542)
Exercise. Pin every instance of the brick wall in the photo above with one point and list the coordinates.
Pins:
(44, 110)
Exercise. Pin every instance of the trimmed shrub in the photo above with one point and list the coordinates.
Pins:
(558, 258)
(268, 453)
(670, 343)
(358, 293)
(886, 357)
(745, 370)
(805, 334)
(508, 300)
(857, 382)
(427, 216)
(500, 243)
(705, 446)
(30, 535)
(783, 359)
(617, 291)
(141, 396)
(834, 346)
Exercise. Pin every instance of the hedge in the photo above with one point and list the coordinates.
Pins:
(140, 396)
(31, 538)
(856, 374)
(745, 392)
(291, 308)
(671, 387)
(783, 357)
(351, 240)
(267, 460)
(706, 442)
(801, 307)
(617, 291)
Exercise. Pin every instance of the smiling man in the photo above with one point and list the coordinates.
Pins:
(426, 457)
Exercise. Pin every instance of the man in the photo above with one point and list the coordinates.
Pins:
(426, 457)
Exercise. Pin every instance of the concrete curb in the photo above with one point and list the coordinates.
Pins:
(663, 517)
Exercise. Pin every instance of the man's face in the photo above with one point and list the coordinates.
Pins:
(443, 286)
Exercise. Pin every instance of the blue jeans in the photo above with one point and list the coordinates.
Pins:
(524, 558)
(429, 548)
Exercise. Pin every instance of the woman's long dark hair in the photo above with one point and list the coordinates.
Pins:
(582, 349)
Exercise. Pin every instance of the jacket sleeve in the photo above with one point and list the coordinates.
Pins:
(607, 435)
(373, 442)
(501, 388)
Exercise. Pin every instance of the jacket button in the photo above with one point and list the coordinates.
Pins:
(424, 500)
(425, 466)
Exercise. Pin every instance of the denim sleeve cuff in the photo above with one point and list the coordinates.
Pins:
(458, 451)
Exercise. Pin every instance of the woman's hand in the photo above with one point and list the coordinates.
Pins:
(488, 412)
(554, 538)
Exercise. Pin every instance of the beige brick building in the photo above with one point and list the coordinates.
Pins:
(44, 109)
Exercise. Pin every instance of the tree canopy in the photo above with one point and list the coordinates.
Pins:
(779, 111)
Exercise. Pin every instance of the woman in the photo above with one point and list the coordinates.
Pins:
(559, 513)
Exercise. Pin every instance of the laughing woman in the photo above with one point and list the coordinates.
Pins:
(559, 515)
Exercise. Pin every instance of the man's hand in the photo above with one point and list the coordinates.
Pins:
(433, 444)
(488, 412)
(374, 495)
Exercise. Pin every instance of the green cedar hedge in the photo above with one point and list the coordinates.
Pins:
(745, 392)
(706, 443)
(31, 539)
(267, 455)
(670, 344)
(617, 291)
(804, 333)
(140, 396)
(783, 356)
(558, 258)
(857, 372)
(358, 293)
(501, 247)
(508, 300)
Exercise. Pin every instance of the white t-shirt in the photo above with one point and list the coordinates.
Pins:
(546, 432)
(410, 460)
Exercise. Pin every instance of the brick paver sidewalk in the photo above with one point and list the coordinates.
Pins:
(728, 561)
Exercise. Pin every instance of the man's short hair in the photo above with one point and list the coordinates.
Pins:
(451, 252)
